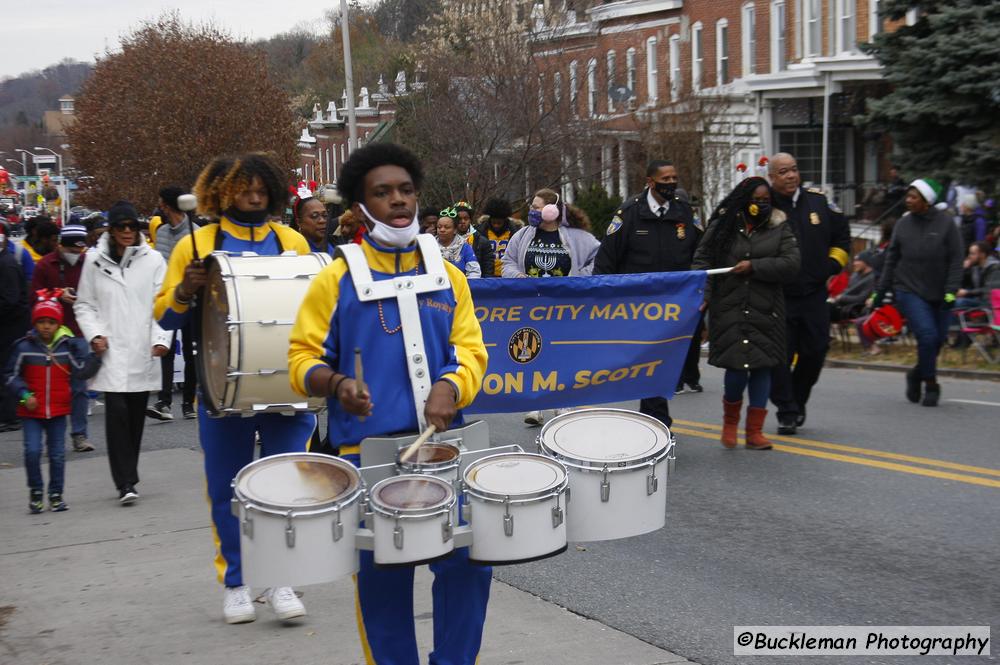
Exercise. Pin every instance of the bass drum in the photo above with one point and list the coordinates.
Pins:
(247, 310)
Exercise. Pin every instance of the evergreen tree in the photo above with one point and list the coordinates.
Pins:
(944, 110)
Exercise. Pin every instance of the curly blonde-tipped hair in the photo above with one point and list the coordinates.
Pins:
(225, 177)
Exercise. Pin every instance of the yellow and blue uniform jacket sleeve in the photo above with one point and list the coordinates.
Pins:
(332, 322)
(266, 240)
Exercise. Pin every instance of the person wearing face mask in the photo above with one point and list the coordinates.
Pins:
(825, 243)
(380, 183)
(746, 306)
(242, 193)
(60, 270)
(653, 232)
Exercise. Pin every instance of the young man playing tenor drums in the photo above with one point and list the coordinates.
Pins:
(380, 183)
(241, 193)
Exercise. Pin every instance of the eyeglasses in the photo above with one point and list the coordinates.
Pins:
(125, 227)
(316, 215)
(448, 212)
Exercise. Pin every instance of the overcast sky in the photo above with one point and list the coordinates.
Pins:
(36, 35)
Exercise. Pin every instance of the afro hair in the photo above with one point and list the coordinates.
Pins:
(497, 208)
(225, 177)
(351, 183)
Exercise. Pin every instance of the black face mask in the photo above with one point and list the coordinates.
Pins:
(665, 189)
(251, 217)
(758, 212)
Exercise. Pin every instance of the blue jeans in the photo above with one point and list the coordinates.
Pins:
(79, 405)
(55, 432)
(929, 324)
(759, 380)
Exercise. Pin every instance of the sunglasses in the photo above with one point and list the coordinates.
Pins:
(125, 227)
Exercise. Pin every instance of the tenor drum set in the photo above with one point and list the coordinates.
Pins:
(600, 474)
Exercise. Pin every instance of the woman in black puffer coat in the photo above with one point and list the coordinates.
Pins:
(746, 307)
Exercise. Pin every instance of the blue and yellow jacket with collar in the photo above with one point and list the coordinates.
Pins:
(332, 322)
(266, 239)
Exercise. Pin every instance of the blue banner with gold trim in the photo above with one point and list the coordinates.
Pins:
(571, 341)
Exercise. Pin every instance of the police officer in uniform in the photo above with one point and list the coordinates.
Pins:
(652, 232)
(824, 241)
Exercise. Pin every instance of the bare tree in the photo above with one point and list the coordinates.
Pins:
(175, 96)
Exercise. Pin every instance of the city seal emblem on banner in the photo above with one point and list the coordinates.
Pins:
(524, 345)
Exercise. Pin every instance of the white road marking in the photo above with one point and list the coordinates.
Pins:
(973, 401)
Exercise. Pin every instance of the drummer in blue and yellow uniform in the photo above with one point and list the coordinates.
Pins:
(825, 242)
(380, 183)
(241, 194)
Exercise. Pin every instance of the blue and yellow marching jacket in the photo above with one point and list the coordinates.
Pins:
(266, 239)
(332, 322)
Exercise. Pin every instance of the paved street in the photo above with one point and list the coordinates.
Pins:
(879, 512)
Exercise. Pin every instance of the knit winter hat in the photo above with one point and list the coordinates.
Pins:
(929, 188)
(73, 235)
(123, 211)
(47, 307)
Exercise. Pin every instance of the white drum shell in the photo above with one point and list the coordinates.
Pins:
(268, 561)
(423, 536)
(533, 535)
(636, 503)
(264, 294)
(629, 511)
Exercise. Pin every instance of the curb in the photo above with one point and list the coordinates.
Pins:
(954, 373)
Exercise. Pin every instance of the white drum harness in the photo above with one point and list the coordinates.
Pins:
(405, 289)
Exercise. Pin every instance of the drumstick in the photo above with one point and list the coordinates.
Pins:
(421, 440)
(359, 377)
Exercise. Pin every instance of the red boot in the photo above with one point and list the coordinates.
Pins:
(755, 423)
(730, 422)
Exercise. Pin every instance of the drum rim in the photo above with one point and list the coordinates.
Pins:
(527, 497)
(420, 468)
(440, 508)
(600, 465)
(345, 500)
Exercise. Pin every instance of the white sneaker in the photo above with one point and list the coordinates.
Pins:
(284, 602)
(238, 606)
(534, 418)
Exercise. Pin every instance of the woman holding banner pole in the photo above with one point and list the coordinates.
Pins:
(746, 306)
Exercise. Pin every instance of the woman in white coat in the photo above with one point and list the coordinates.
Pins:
(114, 308)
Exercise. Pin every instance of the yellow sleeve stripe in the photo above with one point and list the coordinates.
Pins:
(180, 257)
(839, 255)
(312, 325)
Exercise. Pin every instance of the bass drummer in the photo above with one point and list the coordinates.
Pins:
(241, 194)
(380, 183)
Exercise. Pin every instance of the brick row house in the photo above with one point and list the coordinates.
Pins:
(753, 77)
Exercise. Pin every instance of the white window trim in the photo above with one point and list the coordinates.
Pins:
(874, 22)
(810, 50)
(652, 71)
(592, 87)
(748, 39)
(674, 56)
(611, 64)
(697, 67)
(722, 25)
(557, 88)
(841, 7)
(574, 87)
(631, 71)
(776, 54)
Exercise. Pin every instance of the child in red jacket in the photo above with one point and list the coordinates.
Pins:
(38, 373)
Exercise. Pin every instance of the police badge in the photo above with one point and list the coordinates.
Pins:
(681, 233)
(814, 219)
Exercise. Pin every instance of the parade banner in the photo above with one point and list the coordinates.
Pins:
(572, 341)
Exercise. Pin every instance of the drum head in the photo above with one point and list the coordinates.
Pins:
(514, 474)
(407, 493)
(213, 340)
(297, 481)
(604, 436)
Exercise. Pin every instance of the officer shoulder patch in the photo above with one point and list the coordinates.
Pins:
(616, 223)
(829, 202)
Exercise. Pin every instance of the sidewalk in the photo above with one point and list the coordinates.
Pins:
(107, 584)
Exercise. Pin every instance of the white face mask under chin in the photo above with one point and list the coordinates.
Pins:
(391, 236)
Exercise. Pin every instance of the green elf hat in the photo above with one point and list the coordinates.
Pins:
(929, 188)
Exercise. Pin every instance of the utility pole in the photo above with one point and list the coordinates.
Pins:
(352, 118)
